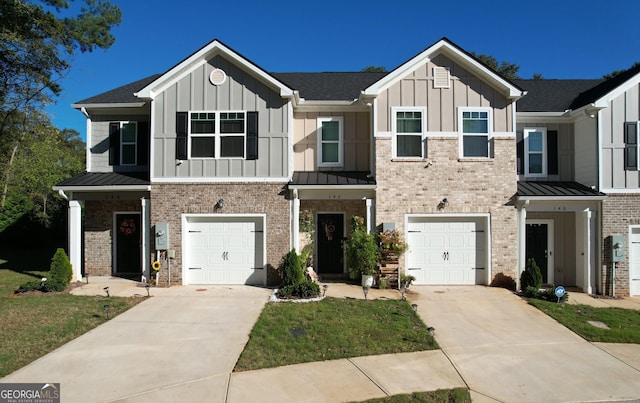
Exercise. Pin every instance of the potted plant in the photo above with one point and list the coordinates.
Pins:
(391, 244)
(362, 253)
(406, 280)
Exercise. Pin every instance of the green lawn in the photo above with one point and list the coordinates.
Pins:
(624, 324)
(291, 333)
(458, 395)
(33, 325)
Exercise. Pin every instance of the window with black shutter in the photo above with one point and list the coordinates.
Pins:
(630, 146)
(114, 143)
(216, 135)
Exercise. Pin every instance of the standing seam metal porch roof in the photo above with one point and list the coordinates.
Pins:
(551, 190)
(331, 178)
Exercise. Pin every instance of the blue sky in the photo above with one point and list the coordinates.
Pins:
(558, 39)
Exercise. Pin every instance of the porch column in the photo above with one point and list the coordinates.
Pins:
(370, 215)
(588, 263)
(146, 238)
(295, 222)
(522, 241)
(75, 239)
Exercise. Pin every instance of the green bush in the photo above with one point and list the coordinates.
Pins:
(53, 285)
(32, 285)
(304, 289)
(60, 270)
(291, 268)
(362, 250)
(548, 294)
(531, 276)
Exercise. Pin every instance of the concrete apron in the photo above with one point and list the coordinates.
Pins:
(506, 350)
(188, 336)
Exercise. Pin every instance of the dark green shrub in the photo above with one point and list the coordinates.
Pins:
(531, 276)
(53, 285)
(32, 285)
(291, 268)
(304, 289)
(548, 294)
(60, 270)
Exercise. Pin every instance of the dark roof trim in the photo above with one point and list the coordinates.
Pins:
(331, 179)
(105, 181)
(534, 190)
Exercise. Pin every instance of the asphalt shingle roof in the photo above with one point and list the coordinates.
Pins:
(123, 94)
(552, 95)
(329, 86)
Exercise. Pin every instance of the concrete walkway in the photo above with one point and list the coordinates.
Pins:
(182, 344)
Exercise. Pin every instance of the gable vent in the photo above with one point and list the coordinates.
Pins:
(441, 77)
(217, 77)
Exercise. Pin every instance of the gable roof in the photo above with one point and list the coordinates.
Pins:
(552, 95)
(123, 95)
(329, 86)
(200, 57)
(451, 50)
(609, 88)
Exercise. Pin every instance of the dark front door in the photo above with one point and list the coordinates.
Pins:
(330, 232)
(537, 248)
(127, 239)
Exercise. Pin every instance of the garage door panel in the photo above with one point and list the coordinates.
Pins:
(445, 251)
(225, 250)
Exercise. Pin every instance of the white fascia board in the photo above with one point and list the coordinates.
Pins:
(332, 187)
(111, 105)
(330, 106)
(442, 46)
(543, 117)
(115, 188)
(613, 191)
(200, 57)
(621, 89)
(221, 180)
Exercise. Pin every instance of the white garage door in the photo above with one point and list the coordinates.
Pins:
(224, 250)
(447, 251)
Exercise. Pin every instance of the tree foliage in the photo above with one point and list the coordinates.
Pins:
(504, 68)
(374, 69)
(618, 72)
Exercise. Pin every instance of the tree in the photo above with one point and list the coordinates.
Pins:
(374, 69)
(537, 76)
(618, 72)
(505, 69)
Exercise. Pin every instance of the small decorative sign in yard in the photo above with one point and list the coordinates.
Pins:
(560, 292)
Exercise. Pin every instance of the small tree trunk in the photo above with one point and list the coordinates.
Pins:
(7, 173)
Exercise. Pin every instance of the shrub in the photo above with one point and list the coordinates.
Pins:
(32, 285)
(548, 294)
(304, 289)
(531, 276)
(291, 268)
(362, 250)
(60, 270)
(53, 285)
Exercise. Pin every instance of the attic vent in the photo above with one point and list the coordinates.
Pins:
(441, 78)
(217, 77)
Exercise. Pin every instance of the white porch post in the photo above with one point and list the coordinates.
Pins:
(370, 215)
(75, 239)
(522, 241)
(589, 252)
(295, 222)
(146, 238)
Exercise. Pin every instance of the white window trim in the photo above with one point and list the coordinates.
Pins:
(525, 138)
(489, 133)
(394, 129)
(134, 142)
(216, 135)
(320, 121)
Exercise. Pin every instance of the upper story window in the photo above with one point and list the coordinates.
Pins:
(217, 134)
(330, 141)
(475, 127)
(408, 130)
(631, 148)
(535, 151)
(128, 143)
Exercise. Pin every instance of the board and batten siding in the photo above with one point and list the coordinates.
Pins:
(586, 153)
(466, 90)
(240, 92)
(623, 108)
(356, 132)
(98, 141)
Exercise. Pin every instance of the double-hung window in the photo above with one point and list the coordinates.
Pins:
(128, 143)
(535, 151)
(409, 128)
(330, 141)
(217, 134)
(475, 127)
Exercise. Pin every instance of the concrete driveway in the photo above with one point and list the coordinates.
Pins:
(506, 350)
(184, 341)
